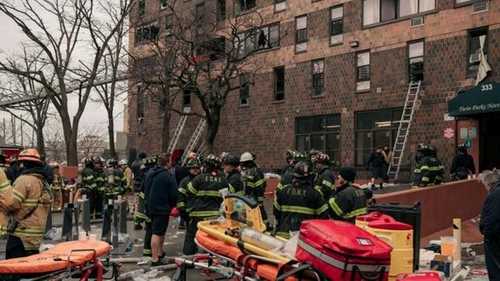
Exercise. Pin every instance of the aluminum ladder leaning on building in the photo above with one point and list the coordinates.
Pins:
(195, 139)
(177, 134)
(404, 129)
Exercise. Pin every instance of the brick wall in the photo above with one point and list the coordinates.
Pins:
(267, 127)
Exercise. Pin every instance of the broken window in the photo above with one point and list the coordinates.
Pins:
(336, 25)
(280, 5)
(244, 90)
(186, 98)
(416, 61)
(363, 71)
(142, 8)
(169, 24)
(163, 4)
(244, 5)
(141, 103)
(279, 83)
(473, 57)
(318, 77)
(221, 10)
(146, 33)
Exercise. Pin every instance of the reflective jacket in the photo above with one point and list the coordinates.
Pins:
(325, 182)
(287, 176)
(254, 184)
(29, 191)
(182, 199)
(204, 191)
(295, 203)
(115, 182)
(429, 171)
(5, 190)
(100, 181)
(235, 183)
(347, 203)
(129, 178)
(88, 179)
(138, 169)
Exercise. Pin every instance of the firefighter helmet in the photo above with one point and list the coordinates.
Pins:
(247, 157)
(111, 163)
(122, 162)
(348, 174)
(321, 158)
(193, 164)
(231, 159)
(98, 160)
(30, 155)
(212, 161)
(301, 170)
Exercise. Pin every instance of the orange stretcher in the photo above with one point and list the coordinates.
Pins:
(83, 255)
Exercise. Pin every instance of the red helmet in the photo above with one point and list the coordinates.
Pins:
(30, 155)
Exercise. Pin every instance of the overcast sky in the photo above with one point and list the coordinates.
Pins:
(95, 114)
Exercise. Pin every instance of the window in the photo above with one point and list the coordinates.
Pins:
(200, 18)
(319, 132)
(186, 98)
(374, 129)
(363, 71)
(280, 5)
(336, 25)
(244, 90)
(163, 4)
(473, 57)
(142, 8)
(221, 10)
(141, 103)
(244, 5)
(318, 77)
(279, 83)
(301, 34)
(377, 11)
(169, 24)
(146, 33)
(463, 1)
(267, 37)
(214, 48)
(416, 61)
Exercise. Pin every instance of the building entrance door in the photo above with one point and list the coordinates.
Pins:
(489, 153)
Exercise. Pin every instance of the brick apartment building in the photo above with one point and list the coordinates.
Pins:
(337, 75)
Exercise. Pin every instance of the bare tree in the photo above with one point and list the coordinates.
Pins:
(198, 56)
(18, 86)
(58, 45)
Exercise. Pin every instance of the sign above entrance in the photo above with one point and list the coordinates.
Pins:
(483, 98)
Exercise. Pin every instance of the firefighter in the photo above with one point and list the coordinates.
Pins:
(292, 158)
(429, 169)
(254, 183)
(88, 183)
(324, 181)
(233, 176)
(116, 181)
(138, 169)
(28, 204)
(100, 181)
(128, 174)
(57, 188)
(298, 201)
(348, 202)
(194, 169)
(204, 196)
(149, 164)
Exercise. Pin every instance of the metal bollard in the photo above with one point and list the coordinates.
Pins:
(116, 208)
(85, 210)
(76, 213)
(106, 222)
(67, 229)
(48, 225)
(123, 216)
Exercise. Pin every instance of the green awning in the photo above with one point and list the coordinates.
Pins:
(483, 98)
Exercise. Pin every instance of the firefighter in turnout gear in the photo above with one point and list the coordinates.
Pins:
(128, 174)
(116, 181)
(89, 184)
(233, 175)
(100, 182)
(348, 202)
(150, 163)
(56, 188)
(254, 183)
(429, 170)
(194, 167)
(297, 202)
(204, 199)
(138, 167)
(324, 180)
(292, 158)
(28, 203)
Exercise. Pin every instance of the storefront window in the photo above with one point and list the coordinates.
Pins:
(319, 132)
(374, 129)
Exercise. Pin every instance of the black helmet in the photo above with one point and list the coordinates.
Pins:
(212, 162)
(193, 164)
(301, 170)
(321, 158)
(230, 159)
(112, 163)
(348, 174)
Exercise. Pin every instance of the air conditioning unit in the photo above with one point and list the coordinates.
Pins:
(417, 21)
(480, 6)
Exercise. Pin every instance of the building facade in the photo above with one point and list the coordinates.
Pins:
(338, 75)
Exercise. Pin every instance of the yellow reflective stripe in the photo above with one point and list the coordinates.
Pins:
(182, 190)
(426, 179)
(434, 169)
(88, 178)
(322, 209)
(280, 186)
(298, 210)
(191, 188)
(318, 189)
(277, 205)
(335, 207)
(4, 185)
(231, 189)
(209, 193)
(282, 234)
(141, 195)
(424, 168)
(204, 214)
(357, 212)
(327, 183)
(417, 171)
(181, 205)
(147, 252)
(260, 182)
(19, 196)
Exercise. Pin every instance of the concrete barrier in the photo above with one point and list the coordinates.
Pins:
(442, 203)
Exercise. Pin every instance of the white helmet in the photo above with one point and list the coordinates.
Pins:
(122, 162)
(247, 157)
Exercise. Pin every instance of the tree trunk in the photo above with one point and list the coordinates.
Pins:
(40, 142)
(111, 132)
(213, 122)
(71, 142)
